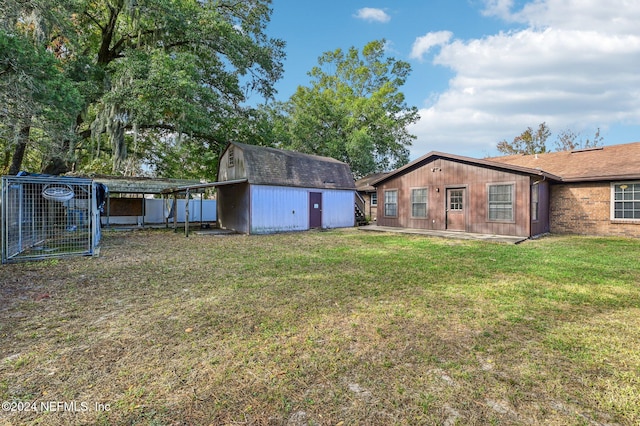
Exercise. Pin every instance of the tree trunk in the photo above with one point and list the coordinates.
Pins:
(57, 164)
(21, 148)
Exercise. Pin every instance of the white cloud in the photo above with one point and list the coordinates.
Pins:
(573, 66)
(499, 8)
(615, 16)
(372, 15)
(422, 45)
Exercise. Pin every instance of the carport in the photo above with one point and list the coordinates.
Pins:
(187, 190)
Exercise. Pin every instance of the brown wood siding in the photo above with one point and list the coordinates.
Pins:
(440, 174)
(234, 207)
(371, 212)
(126, 207)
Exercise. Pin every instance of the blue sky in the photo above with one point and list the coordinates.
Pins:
(485, 70)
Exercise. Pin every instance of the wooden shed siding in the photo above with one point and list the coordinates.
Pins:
(238, 171)
(234, 206)
(440, 174)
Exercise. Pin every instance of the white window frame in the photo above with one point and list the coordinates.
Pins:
(374, 199)
(634, 200)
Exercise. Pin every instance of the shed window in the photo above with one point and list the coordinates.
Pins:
(419, 202)
(501, 202)
(374, 198)
(231, 156)
(391, 203)
(626, 204)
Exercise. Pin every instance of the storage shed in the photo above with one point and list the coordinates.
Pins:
(272, 190)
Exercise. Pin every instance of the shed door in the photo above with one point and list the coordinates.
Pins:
(456, 209)
(315, 210)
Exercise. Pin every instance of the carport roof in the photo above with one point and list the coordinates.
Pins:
(201, 186)
(141, 185)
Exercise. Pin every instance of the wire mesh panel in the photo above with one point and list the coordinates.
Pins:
(48, 217)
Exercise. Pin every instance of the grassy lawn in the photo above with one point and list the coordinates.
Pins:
(325, 328)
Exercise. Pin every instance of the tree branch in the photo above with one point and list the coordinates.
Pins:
(94, 20)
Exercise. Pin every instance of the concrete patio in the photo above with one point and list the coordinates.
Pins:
(446, 234)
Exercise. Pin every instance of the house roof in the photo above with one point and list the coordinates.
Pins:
(614, 162)
(364, 184)
(271, 166)
(434, 155)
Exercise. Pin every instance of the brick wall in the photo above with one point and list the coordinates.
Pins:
(585, 208)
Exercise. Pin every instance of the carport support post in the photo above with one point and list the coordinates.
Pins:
(175, 212)
(186, 215)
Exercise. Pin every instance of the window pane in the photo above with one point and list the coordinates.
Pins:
(419, 210)
(501, 202)
(455, 200)
(419, 202)
(627, 201)
(391, 203)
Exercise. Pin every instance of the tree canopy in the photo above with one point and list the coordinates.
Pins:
(149, 74)
(535, 141)
(353, 110)
(528, 142)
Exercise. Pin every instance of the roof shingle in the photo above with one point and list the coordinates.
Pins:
(613, 162)
(271, 166)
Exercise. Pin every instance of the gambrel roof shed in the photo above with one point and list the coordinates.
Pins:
(262, 165)
(264, 190)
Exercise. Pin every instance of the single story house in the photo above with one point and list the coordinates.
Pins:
(589, 191)
(442, 191)
(265, 190)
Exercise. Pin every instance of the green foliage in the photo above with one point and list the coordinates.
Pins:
(183, 158)
(353, 111)
(568, 141)
(528, 142)
(39, 100)
(147, 67)
(535, 142)
(179, 66)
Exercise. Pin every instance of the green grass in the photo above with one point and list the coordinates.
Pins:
(327, 327)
